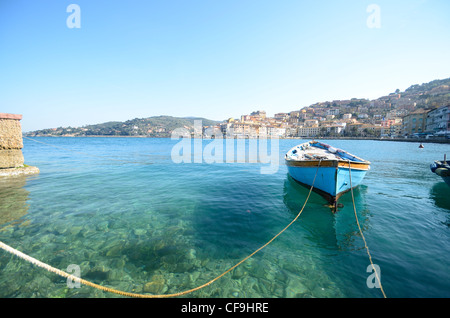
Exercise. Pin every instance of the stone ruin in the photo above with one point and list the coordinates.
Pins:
(11, 144)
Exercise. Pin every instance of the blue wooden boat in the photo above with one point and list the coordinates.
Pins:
(333, 176)
(442, 169)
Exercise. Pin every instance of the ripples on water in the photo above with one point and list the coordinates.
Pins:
(143, 224)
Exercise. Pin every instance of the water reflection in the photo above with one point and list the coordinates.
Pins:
(325, 229)
(346, 226)
(439, 193)
(316, 219)
(13, 201)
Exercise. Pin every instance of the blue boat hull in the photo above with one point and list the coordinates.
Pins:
(331, 168)
(331, 182)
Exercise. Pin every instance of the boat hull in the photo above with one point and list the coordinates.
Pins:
(333, 177)
(442, 169)
(446, 180)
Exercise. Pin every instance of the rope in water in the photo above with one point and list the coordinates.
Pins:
(61, 273)
(360, 231)
(135, 295)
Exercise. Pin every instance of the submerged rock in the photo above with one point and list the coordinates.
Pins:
(103, 226)
(192, 254)
(98, 273)
(239, 272)
(156, 286)
(114, 251)
(139, 232)
(74, 230)
(295, 288)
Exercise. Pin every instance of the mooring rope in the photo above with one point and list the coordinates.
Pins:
(360, 231)
(135, 295)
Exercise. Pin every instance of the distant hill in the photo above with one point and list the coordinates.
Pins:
(157, 126)
(427, 95)
(433, 94)
(428, 86)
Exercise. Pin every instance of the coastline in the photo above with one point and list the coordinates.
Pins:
(416, 140)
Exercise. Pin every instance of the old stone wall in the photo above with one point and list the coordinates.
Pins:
(11, 143)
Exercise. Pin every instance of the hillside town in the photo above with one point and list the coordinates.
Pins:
(412, 114)
(343, 121)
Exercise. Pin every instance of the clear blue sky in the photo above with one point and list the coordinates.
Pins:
(213, 59)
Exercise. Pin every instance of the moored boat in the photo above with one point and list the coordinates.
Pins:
(442, 169)
(333, 166)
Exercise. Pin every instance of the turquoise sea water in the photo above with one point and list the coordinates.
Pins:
(134, 220)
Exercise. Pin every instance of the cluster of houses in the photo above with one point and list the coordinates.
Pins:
(421, 122)
(357, 119)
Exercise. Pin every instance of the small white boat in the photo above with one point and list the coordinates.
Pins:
(333, 176)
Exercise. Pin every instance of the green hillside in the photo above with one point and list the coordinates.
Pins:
(158, 126)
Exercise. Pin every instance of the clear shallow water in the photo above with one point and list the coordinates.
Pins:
(148, 225)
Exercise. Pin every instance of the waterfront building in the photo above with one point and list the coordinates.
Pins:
(308, 131)
(438, 120)
(415, 122)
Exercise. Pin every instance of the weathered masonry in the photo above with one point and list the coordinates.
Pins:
(11, 144)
